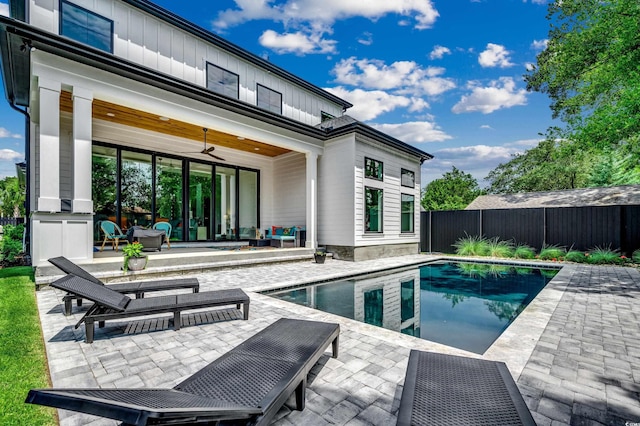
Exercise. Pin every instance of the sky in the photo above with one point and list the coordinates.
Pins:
(445, 76)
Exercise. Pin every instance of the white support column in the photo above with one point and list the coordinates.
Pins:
(82, 100)
(312, 199)
(49, 93)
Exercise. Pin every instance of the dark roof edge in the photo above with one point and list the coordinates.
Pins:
(67, 48)
(202, 33)
(369, 131)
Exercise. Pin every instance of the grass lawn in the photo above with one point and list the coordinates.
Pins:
(23, 363)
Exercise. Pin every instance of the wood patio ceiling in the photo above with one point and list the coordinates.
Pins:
(102, 110)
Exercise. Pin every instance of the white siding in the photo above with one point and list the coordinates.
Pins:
(393, 161)
(336, 192)
(289, 190)
(148, 41)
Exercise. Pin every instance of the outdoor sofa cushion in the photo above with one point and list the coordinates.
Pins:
(247, 385)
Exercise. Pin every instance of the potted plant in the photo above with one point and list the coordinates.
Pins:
(134, 258)
(320, 255)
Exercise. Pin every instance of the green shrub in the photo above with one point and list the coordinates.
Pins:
(636, 256)
(576, 256)
(552, 252)
(523, 251)
(497, 248)
(11, 243)
(472, 246)
(603, 256)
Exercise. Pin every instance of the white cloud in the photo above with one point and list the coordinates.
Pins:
(369, 104)
(405, 77)
(438, 52)
(298, 42)
(499, 94)
(414, 131)
(494, 55)
(366, 39)
(4, 133)
(10, 155)
(294, 12)
(536, 1)
(4, 9)
(486, 126)
(539, 44)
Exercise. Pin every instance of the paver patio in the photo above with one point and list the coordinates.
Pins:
(575, 351)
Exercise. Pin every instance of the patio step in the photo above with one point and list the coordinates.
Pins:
(175, 262)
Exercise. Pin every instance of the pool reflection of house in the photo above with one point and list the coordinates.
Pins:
(390, 301)
(119, 94)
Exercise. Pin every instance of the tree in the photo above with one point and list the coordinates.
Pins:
(549, 166)
(12, 197)
(453, 191)
(590, 71)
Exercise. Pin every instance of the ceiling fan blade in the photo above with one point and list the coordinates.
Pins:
(216, 157)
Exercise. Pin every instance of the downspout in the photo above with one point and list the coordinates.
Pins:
(27, 200)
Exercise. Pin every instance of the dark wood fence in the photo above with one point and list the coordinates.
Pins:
(11, 220)
(579, 228)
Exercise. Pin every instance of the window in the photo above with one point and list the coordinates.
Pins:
(269, 99)
(222, 81)
(373, 210)
(324, 116)
(372, 169)
(408, 178)
(406, 216)
(86, 27)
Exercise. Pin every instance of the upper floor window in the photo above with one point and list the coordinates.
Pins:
(269, 99)
(324, 116)
(408, 178)
(86, 27)
(222, 81)
(372, 168)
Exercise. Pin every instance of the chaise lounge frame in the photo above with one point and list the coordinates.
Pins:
(247, 385)
(444, 389)
(139, 288)
(109, 304)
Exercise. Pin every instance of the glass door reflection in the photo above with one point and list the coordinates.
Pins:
(199, 224)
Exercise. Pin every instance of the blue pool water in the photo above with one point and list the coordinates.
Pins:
(464, 305)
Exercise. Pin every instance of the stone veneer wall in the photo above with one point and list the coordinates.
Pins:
(372, 252)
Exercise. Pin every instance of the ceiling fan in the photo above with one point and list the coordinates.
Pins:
(210, 149)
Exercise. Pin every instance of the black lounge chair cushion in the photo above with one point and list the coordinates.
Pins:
(89, 290)
(444, 389)
(247, 385)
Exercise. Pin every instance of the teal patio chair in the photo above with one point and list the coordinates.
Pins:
(113, 233)
(166, 227)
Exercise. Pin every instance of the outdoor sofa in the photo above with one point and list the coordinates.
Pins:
(444, 389)
(247, 385)
(139, 288)
(109, 304)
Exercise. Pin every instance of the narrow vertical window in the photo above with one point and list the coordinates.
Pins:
(86, 27)
(222, 81)
(373, 169)
(269, 99)
(407, 213)
(373, 210)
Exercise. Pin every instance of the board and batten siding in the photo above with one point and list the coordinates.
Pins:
(149, 41)
(335, 192)
(393, 162)
(289, 190)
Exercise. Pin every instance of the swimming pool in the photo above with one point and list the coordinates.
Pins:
(464, 305)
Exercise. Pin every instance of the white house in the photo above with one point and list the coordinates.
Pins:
(136, 115)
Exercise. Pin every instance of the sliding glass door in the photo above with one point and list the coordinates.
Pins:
(200, 201)
(169, 202)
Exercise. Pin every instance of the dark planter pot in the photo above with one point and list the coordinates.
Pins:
(319, 257)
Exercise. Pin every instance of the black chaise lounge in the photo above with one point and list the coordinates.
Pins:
(109, 304)
(139, 288)
(247, 385)
(444, 389)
